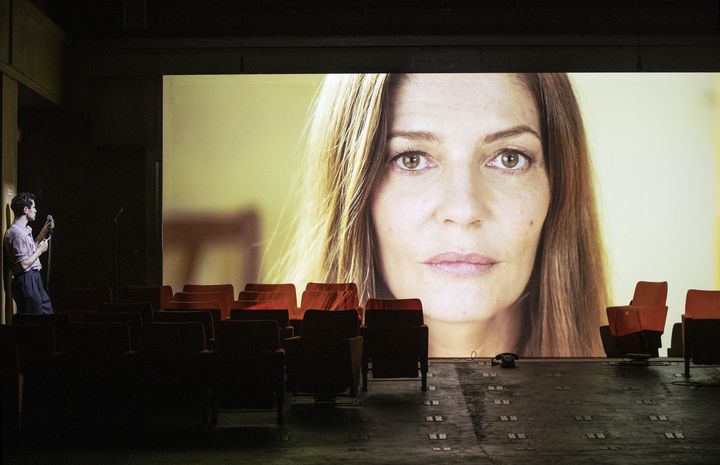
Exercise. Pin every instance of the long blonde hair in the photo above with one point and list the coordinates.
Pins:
(334, 235)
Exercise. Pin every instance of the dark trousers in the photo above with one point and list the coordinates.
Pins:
(29, 294)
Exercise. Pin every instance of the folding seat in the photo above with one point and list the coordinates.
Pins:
(11, 391)
(280, 316)
(395, 340)
(286, 289)
(226, 289)
(351, 287)
(329, 300)
(59, 322)
(701, 328)
(158, 296)
(144, 308)
(248, 367)
(97, 374)
(174, 369)
(80, 299)
(34, 346)
(134, 321)
(325, 360)
(217, 299)
(637, 327)
(205, 317)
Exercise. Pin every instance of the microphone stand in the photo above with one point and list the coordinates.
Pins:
(49, 260)
(116, 276)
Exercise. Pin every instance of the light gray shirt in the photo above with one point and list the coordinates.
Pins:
(20, 245)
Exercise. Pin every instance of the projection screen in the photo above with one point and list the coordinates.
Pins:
(460, 153)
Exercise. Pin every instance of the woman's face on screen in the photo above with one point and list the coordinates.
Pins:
(459, 211)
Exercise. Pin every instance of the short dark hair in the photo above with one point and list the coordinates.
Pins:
(20, 201)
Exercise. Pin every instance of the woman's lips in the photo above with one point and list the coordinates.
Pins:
(461, 264)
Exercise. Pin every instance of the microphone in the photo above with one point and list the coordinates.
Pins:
(119, 212)
(50, 231)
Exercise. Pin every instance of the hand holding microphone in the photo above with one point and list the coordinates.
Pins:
(50, 225)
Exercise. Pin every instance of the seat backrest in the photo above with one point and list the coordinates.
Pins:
(134, 321)
(328, 300)
(288, 300)
(336, 324)
(702, 303)
(650, 294)
(143, 308)
(9, 362)
(227, 289)
(393, 304)
(393, 318)
(352, 287)
(33, 341)
(203, 316)
(243, 337)
(287, 289)
(30, 319)
(98, 339)
(259, 304)
(59, 321)
(220, 298)
(155, 295)
(278, 315)
(173, 338)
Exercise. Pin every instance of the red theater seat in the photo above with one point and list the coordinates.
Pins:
(395, 340)
(216, 299)
(226, 289)
(329, 300)
(325, 360)
(701, 328)
(158, 296)
(637, 327)
(286, 289)
(249, 366)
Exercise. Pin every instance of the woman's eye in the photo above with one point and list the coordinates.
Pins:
(411, 161)
(512, 160)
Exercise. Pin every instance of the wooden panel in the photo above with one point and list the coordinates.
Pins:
(8, 136)
(37, 49)
(5, 31)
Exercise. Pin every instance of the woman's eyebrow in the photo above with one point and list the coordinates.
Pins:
(510, 132)
(424, 136)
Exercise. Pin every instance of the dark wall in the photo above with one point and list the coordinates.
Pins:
(103, 150)
(86, 162)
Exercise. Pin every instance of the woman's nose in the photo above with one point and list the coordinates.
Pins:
(462, 200)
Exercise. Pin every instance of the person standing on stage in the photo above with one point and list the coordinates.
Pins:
(22, 254)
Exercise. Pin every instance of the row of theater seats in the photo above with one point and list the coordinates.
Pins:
(634, 330)
(244, 360)
(221, 296)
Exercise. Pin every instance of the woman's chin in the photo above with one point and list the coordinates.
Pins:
(452, 315)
